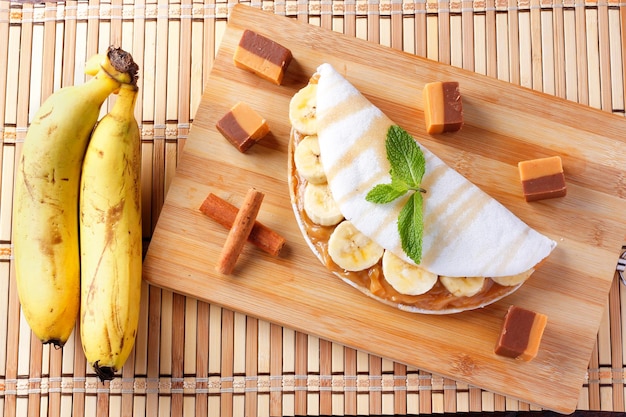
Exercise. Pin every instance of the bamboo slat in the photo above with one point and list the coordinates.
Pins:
(196, 359)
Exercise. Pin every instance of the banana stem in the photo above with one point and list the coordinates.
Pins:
(116, 68)
(117, 64)
(102, 85)
(125, 103)
(120, 66)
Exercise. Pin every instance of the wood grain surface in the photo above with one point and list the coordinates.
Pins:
(504, 124)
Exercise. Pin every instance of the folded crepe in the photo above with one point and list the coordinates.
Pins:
(466, 232)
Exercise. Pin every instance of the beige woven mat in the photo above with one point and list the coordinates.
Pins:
(192, 358)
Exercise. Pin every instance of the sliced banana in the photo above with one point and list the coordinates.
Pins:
(307, 160)
(351, 249)
(302, 110)
(463, 286)
(512, 280)
(407, 278)
(320, 206)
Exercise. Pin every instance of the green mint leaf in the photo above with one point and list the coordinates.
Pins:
(405, 156)
(408, 166)
(386, 193)
(411, 227)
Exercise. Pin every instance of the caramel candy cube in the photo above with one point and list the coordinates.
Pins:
(242, 126)
(521, 334)
(542, 178)
(443, 108)
(262, 56)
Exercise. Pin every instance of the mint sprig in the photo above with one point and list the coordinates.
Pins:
(408, 166)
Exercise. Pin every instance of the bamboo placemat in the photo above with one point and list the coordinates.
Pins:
(192, 358)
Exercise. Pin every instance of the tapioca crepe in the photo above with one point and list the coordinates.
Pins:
(466, 232)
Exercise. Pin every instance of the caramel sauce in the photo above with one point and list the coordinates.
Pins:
(372, 281)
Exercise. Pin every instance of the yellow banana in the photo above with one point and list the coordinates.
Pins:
(110, 238)
(45, 215)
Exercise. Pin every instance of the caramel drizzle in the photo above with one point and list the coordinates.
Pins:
(461, 216)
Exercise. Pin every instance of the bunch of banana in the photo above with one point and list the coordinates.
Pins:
(111, 238)
(45, 215)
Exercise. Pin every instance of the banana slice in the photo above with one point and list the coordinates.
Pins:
(463, 286)
(407, 278)
(351, 249)
(512, 280)
(320, 206)
(307, 160)
(302, 110)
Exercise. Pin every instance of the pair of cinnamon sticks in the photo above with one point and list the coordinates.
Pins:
(243, 228)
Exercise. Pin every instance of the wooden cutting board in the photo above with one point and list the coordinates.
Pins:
(504, 124)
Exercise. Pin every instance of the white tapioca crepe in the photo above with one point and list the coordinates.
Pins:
(466, 232)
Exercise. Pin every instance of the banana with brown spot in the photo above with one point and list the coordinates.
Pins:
(45, 216)
(111, 238)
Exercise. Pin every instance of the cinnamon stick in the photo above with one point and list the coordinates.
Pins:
(224, 213)
(238, 234)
